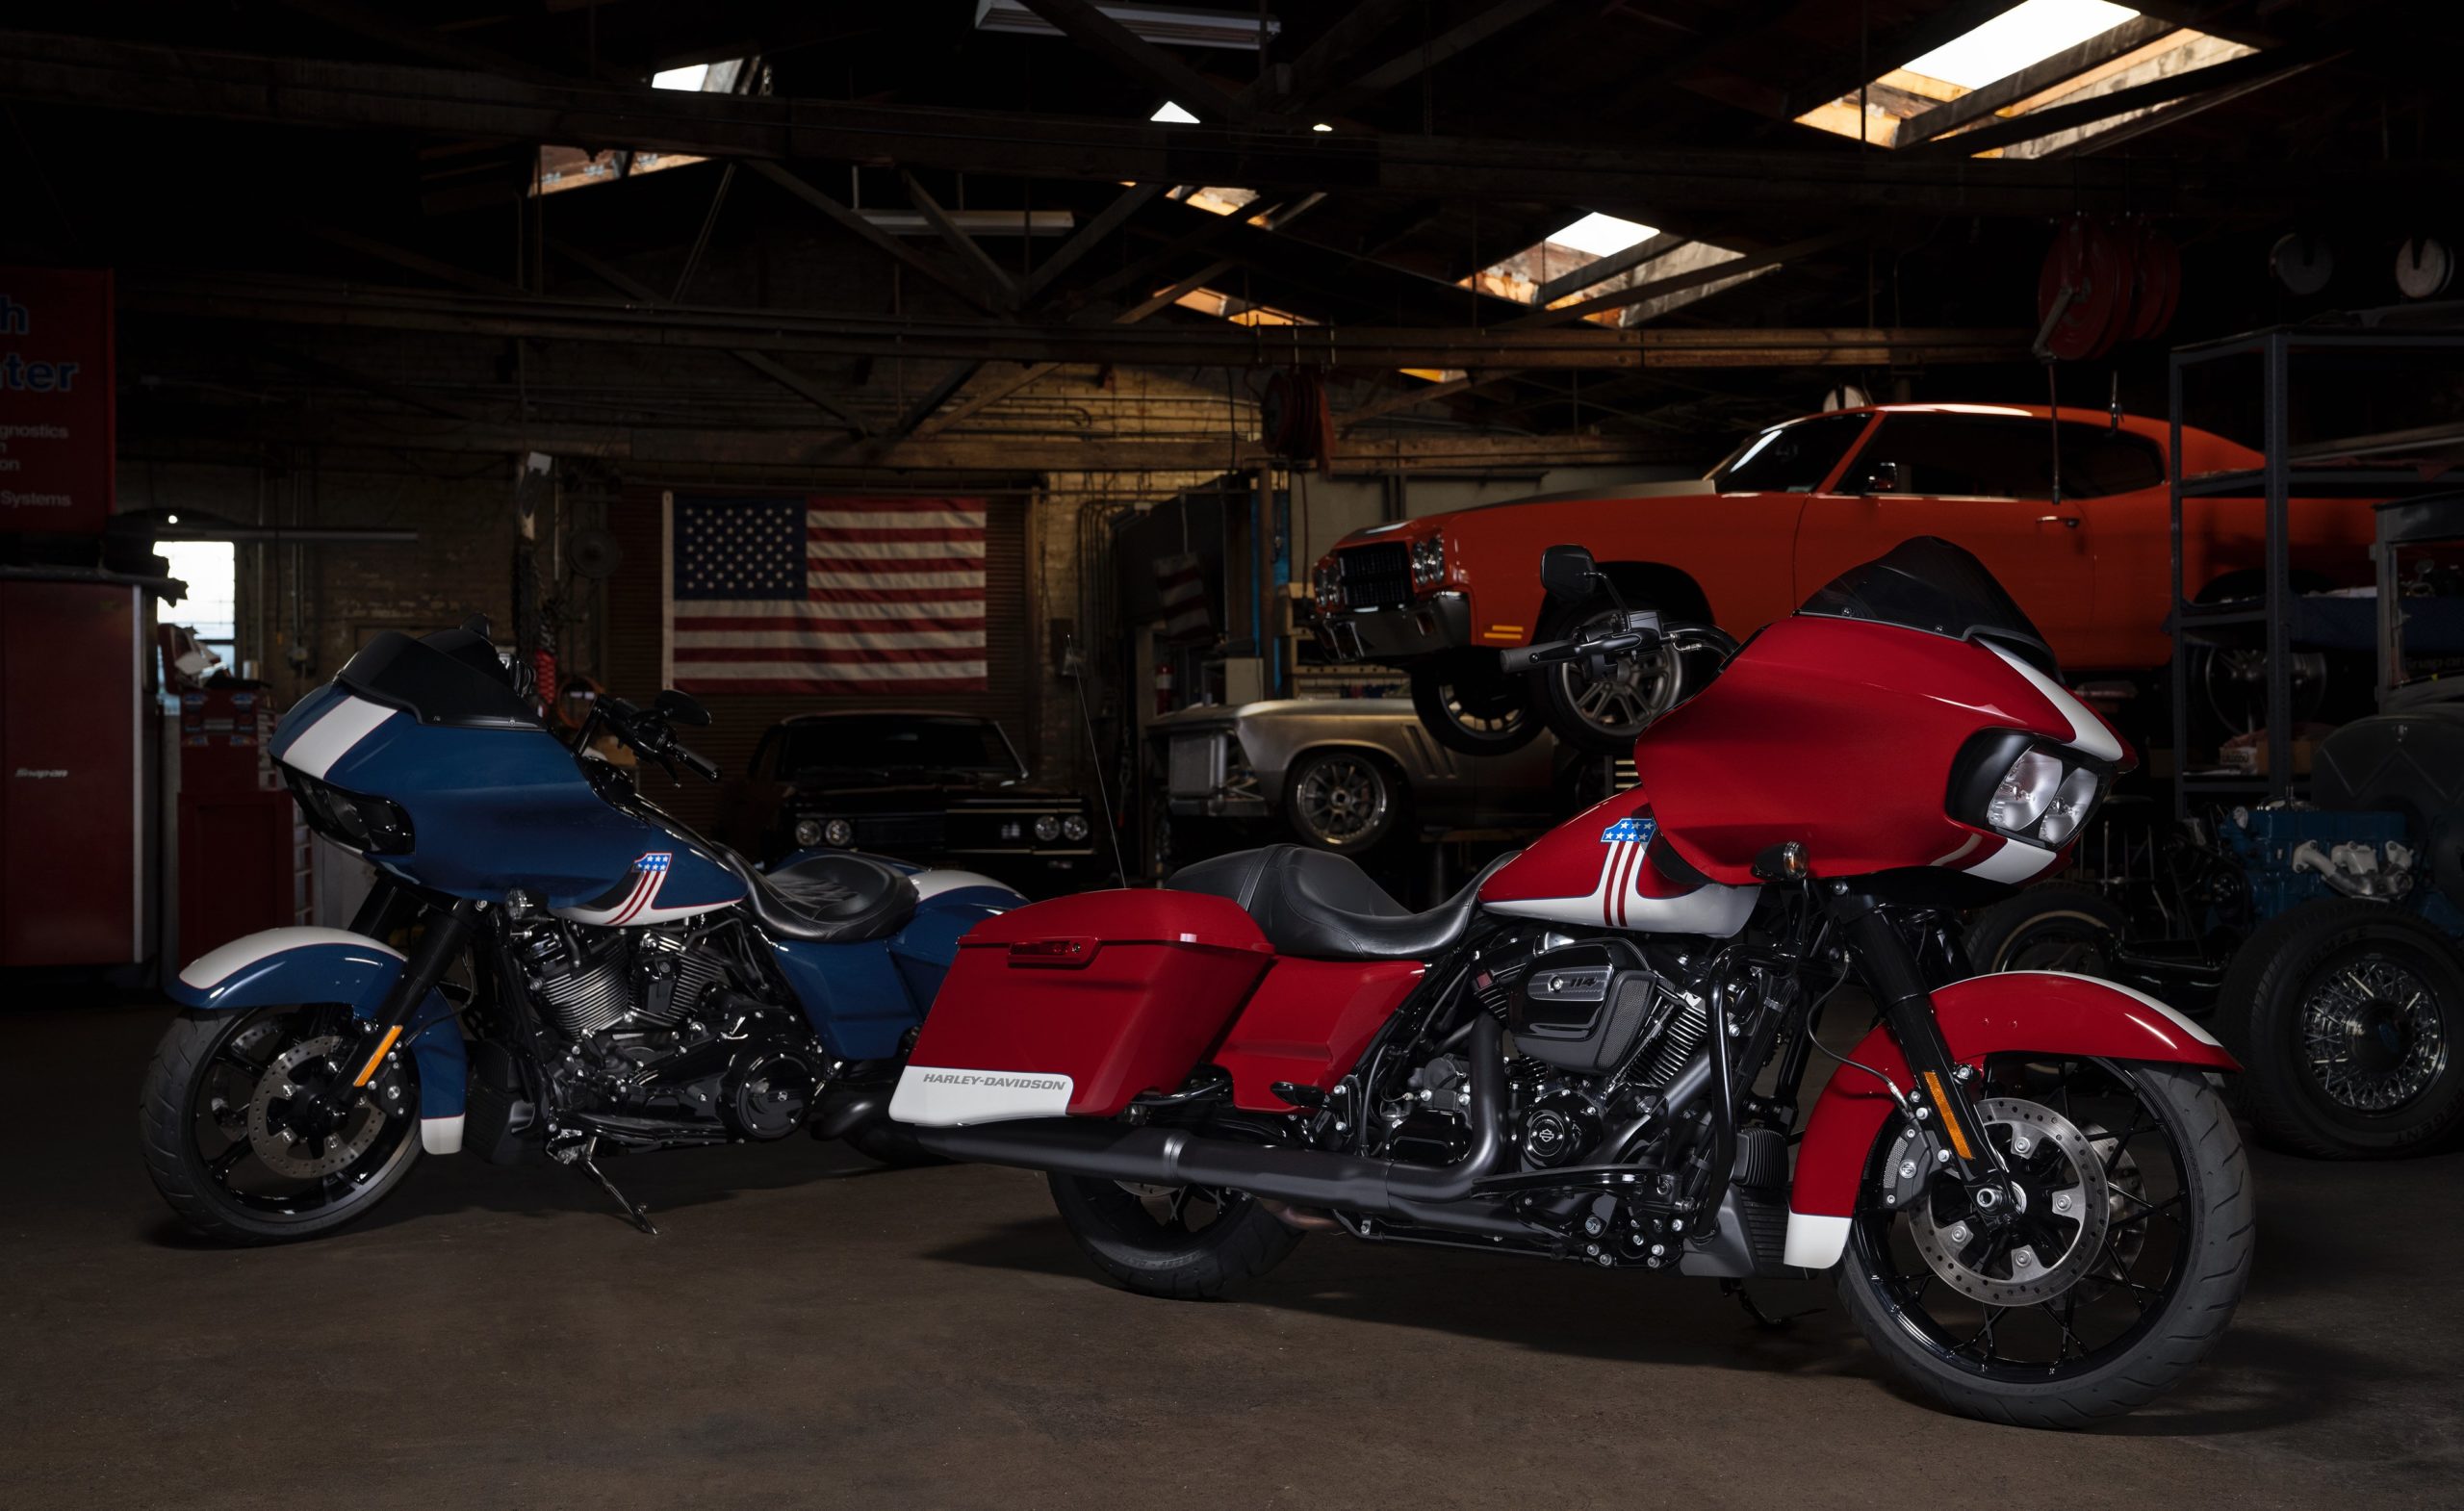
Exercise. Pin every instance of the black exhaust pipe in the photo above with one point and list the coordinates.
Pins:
(1300, 1177)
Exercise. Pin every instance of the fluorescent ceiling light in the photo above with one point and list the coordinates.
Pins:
(687, 78)
(1321, 126)
(1176, 25)
(1601, 235)
(1168, 111)
(2025, 33)
(976, 223)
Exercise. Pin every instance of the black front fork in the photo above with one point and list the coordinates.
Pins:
(1937, 1101)
(447, 935)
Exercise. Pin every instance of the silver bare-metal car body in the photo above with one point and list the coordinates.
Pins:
(1237, 762)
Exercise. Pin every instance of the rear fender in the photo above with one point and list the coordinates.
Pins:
(2040, 1011)
(302, 965)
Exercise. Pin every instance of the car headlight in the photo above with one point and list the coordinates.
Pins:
(1073, 828)
(1326, 584)
(807, 832)
(1429, 562)
(838, 832)
(1047, 829)
(2026, 788)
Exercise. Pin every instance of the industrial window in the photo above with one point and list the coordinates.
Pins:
(1989, 456)
(211, 608)
(1791, 458)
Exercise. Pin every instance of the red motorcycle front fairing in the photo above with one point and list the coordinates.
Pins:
(1840, 735)
(1079, 1003)
(2015, 1012)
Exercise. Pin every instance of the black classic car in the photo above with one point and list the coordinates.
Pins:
(934, 787)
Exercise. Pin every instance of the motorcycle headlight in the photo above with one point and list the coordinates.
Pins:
(1429, 562)
(2026, 788)
(371, 825)
(1073, 828)
(1047, 829)
(807, 832)
(838, 832)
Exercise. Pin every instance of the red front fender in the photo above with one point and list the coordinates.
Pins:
(2038, 1011)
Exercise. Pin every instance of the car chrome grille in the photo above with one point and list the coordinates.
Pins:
(1196, 765)
(1375, 576)
(889, 832)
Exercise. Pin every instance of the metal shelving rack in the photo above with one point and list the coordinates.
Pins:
(2274, 485)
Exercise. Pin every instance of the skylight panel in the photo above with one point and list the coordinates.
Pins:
(1174, 114)
(1601, 235)
(2027, 33)
(687, 78)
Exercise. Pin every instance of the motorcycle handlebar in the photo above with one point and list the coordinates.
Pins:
(1552, 652)
(701, 765)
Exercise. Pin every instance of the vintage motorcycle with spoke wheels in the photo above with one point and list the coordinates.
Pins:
(547, 960)
(2034, 1197)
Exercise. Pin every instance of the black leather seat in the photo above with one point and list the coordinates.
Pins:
(828, 898)
(1324, 906)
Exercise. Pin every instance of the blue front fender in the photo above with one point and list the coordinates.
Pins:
(306, 965)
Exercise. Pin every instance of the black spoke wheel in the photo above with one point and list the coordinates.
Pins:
(1466, 704)
(2346, 1018)
(253, 1133)
(1188, 1242)
(2098, 1285)
(2057, 925)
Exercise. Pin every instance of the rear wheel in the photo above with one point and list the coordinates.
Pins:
(2128, 1248)
(1469, 705)
(252, 1134)
(2345, 1015)
(1188, 1241)
(2059, 926)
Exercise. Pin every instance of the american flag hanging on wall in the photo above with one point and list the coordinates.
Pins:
(825, 594)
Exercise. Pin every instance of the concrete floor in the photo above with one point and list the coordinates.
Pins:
(811, 1331)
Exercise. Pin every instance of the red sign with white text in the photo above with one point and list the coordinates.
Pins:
(56, 400)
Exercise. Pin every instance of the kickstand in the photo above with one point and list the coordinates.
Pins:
(1761, 1318)
(590, 1167)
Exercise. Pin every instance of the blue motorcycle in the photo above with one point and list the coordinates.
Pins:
(547, 959)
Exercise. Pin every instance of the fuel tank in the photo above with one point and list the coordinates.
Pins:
(1603, 868)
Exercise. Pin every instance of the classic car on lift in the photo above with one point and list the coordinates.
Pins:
(1341, 774)
(2087, 557)
(930, 786)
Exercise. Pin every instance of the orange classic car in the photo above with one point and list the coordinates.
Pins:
(1791, 508)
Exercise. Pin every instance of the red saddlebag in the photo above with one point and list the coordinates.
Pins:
(1122, 993)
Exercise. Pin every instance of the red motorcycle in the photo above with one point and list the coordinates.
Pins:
(2036, 1202)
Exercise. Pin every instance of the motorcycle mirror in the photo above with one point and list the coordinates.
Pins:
(681, 708)
(1567, 571)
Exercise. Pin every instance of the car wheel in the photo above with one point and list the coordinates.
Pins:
(2346, 1016)
(2055, 926)
(1602, 715)
(1479, 712)
(1342, 799)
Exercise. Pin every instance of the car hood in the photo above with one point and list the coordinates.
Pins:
(1282, 710)
(1422, 526)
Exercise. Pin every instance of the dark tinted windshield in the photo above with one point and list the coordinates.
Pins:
(2001, 456)
(452, 677)
(1930, 584)
(1791, 458)
(891, 742)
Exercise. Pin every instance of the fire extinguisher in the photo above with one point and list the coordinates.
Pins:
(1163, 687)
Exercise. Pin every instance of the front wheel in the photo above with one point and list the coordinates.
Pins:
(1186, 1242)
(1601, 710)
(2102, 1283)
(252, 1133)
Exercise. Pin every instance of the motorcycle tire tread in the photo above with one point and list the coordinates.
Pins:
(2253, 1017)
(1226, 1254)
(2212, 1288)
